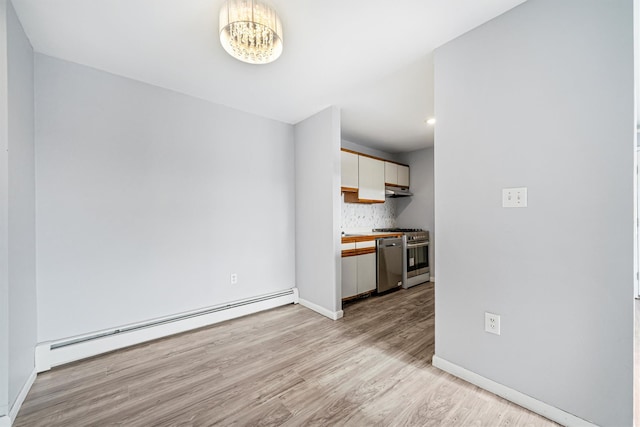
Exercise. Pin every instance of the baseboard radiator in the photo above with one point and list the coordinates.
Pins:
(55, 353)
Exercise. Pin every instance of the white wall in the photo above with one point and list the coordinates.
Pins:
(541, 97)
(418, 211)
(22, 239)
(4, 218)
(148, 200)
(317, 157)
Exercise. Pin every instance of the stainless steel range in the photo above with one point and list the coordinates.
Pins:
(416, 248)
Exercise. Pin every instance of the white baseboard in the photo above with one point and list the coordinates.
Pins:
(535, 405)
(15, 408)
(42, 357)
(48, 355)
(5, 421)
(333, 315)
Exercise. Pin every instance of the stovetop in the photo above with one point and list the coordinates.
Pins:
(412, 234)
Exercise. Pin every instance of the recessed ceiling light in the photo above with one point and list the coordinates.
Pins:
(431, 121)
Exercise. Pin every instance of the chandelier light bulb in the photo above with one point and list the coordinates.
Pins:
(250, 31)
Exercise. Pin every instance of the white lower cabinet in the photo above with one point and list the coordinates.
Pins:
(366, 272)
(358, 274)
(349, 276)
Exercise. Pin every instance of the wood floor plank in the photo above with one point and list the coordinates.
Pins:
(287, 366)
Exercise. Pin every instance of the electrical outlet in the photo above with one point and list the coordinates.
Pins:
(234, 278)
(492, 323)
(514, 197)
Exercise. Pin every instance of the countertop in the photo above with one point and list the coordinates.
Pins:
(366, 236)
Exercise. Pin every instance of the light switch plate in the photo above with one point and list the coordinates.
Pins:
(514, 197)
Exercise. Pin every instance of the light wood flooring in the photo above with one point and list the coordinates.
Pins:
(287, 366)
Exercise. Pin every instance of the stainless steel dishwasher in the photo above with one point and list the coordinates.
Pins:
(390, 263)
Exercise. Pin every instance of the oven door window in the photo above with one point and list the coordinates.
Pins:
(417, 258)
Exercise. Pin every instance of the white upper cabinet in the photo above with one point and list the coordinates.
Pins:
(403, 176)
(370, 179)
(395, 174)
(363, 177)
(390, 173)
(349, 171)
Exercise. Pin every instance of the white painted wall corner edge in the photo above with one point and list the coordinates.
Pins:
(15, 408)
(535, 405)
(333, 315)
(48, 354)
(7, 420)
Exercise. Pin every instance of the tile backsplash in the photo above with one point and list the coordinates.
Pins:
(377, 215)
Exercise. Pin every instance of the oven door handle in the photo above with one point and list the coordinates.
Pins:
(417, 245)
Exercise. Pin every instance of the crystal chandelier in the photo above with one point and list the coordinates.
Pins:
(250, 31)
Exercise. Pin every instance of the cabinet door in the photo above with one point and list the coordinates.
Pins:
(349, 276)
(349, 171)
(370, 179)
(366, 272)
(390, 173)
(403, 176)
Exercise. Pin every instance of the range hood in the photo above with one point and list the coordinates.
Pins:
(397, 192)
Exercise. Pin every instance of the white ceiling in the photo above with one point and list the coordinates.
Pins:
(372, 58)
